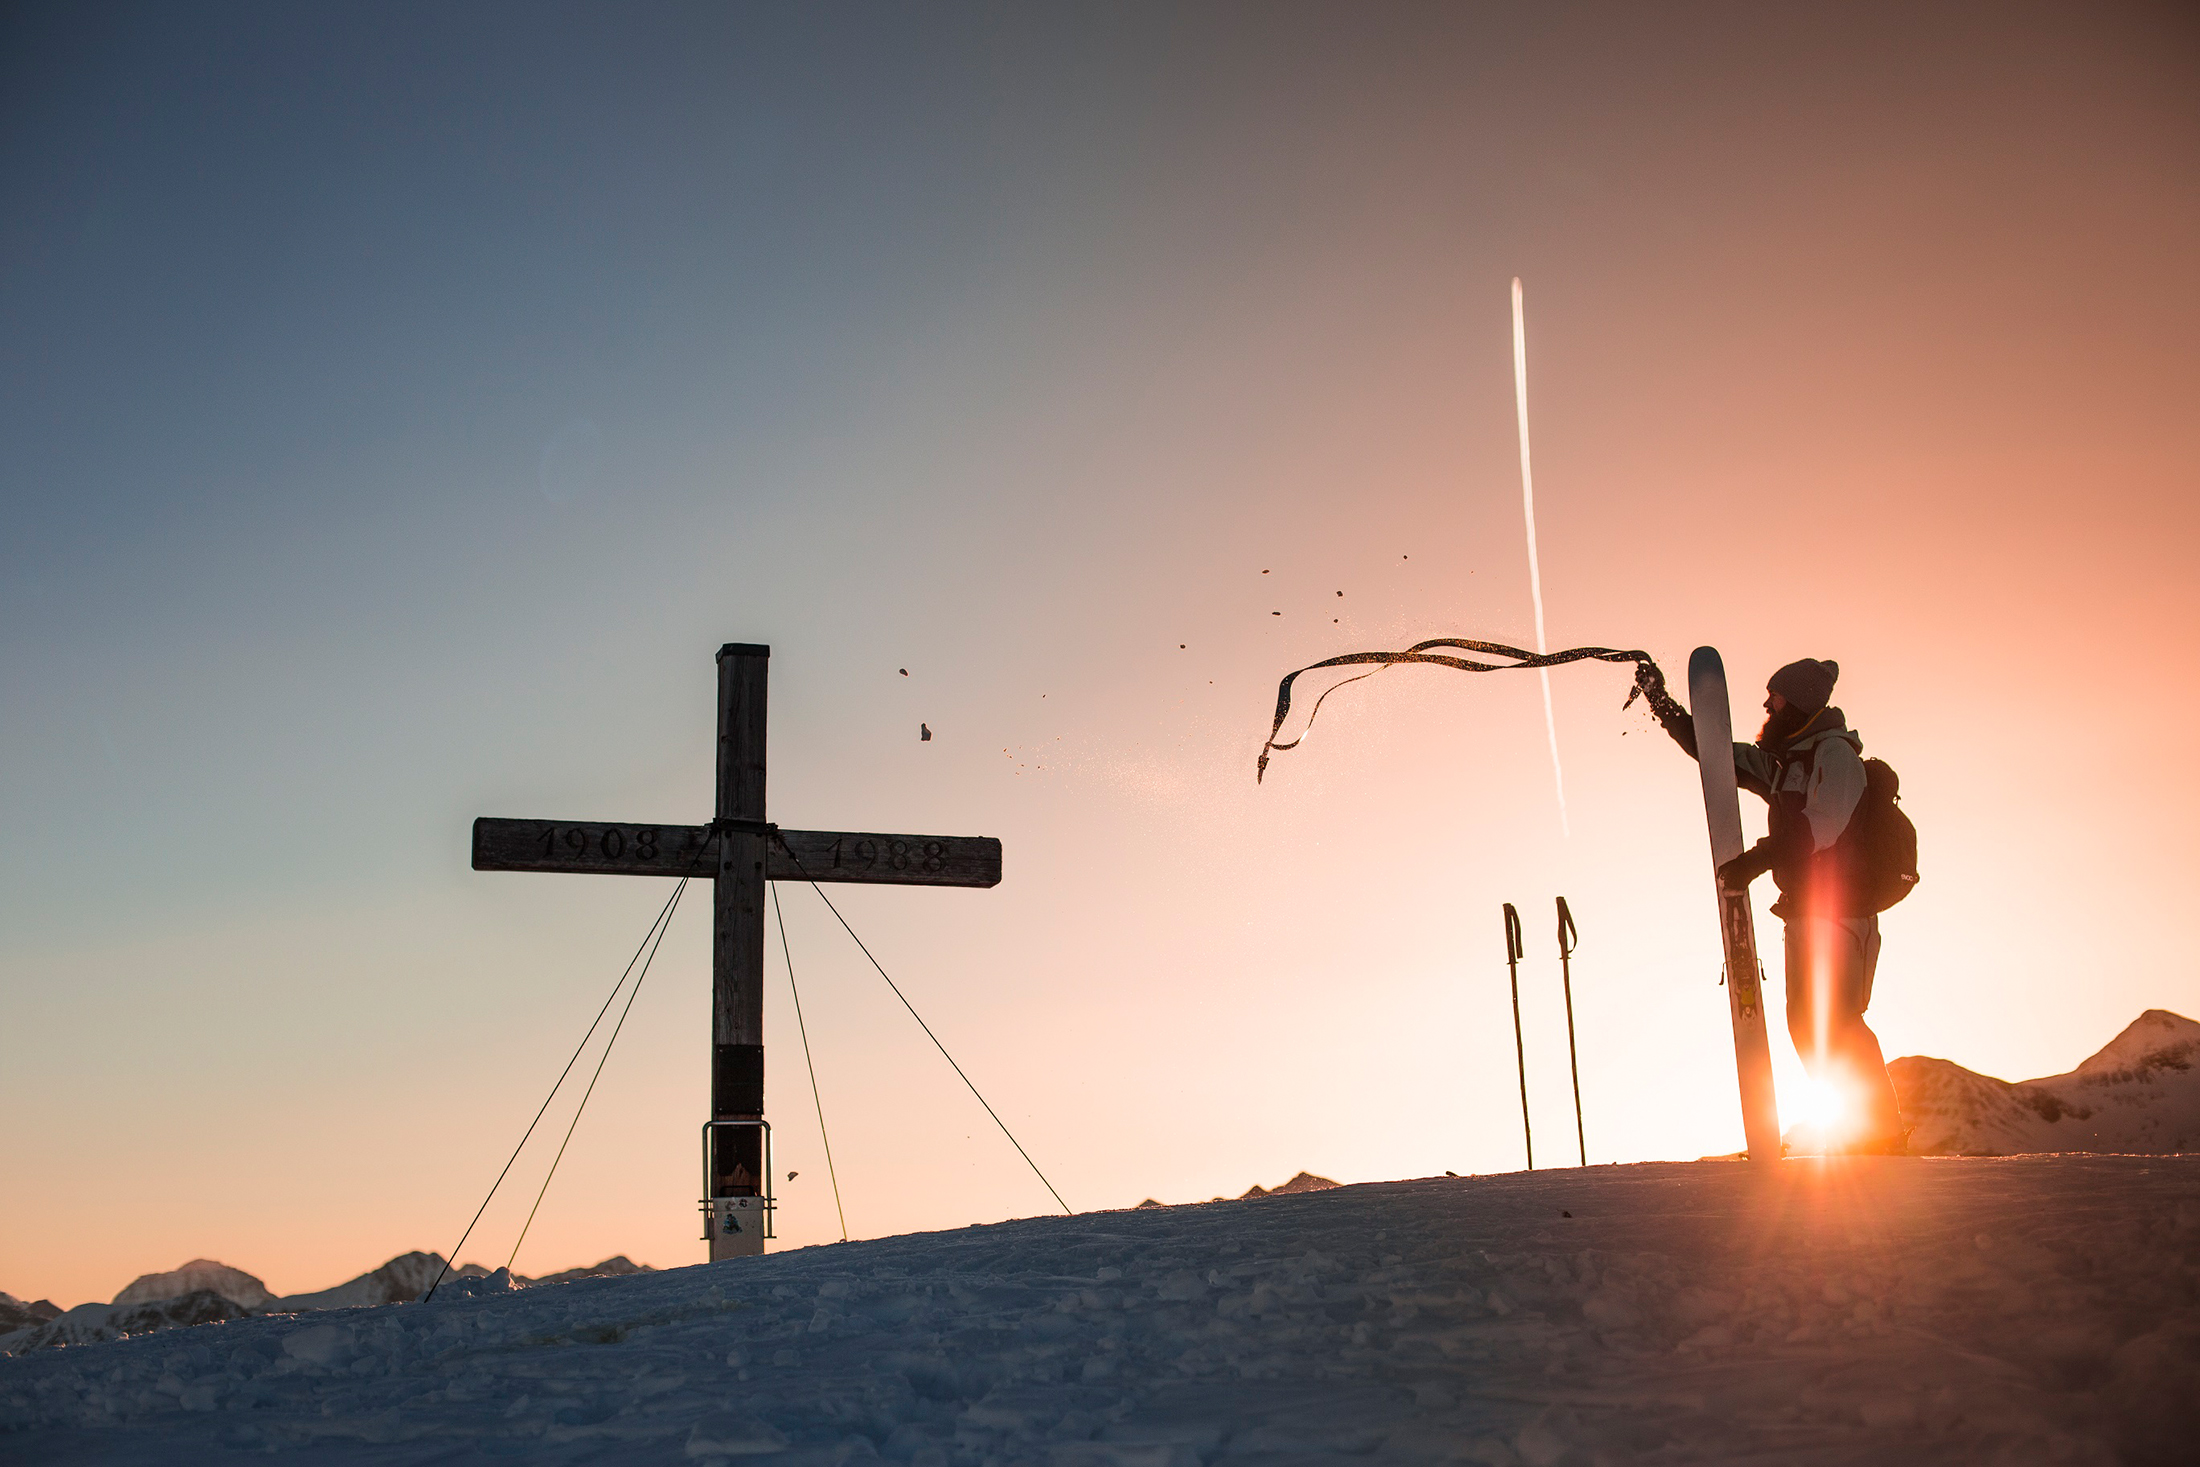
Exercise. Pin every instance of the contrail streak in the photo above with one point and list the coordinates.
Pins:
(1535, 570)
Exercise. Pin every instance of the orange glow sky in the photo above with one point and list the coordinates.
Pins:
(399, 420)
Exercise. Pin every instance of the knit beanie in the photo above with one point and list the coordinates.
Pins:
(1807, 684)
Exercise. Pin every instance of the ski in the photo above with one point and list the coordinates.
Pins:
(1708, 705)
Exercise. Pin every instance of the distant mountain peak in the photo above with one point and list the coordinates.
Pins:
(1303, 1182)
(199, 1276)
(618, 1265)
(2157, 1040)
(2139, 1094)
(18, 1314)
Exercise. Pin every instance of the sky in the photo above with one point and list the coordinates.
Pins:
(403, 403)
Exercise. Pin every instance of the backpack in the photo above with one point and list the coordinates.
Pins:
(1879, 848)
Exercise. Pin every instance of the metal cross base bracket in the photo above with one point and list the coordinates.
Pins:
(737, 1227)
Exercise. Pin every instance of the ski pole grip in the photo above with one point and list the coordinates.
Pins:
(1515, 949)
(1567, 936)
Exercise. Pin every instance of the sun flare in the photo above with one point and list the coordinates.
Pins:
(1822, 1108)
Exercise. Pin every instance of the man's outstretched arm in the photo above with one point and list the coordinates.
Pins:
(1752, 767)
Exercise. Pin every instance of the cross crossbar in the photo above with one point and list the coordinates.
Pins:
(597, 848)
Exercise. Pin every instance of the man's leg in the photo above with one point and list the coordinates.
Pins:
(1802, 1014)
(1852, 1048)
(1830, 966)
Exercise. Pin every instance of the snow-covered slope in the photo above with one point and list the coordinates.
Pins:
(199, 1276)
(1869, 1310)
(2139, 1094)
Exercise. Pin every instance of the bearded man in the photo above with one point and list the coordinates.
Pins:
(1806, 766)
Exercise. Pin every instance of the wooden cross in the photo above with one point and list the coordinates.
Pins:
(740, 851)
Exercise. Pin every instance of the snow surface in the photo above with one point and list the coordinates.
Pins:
(1859, 1310)
(2141, 1093)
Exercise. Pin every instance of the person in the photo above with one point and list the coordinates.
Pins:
(1806, 765)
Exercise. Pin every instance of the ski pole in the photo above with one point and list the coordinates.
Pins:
(1567, 937)
(1515, 950)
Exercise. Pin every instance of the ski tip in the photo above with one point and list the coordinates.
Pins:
(1705, 660)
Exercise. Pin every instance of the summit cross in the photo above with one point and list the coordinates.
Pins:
(739, 850)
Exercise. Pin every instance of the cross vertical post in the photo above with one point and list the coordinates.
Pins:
(736, 1154)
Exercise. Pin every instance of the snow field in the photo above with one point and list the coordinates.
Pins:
(2023, 1310)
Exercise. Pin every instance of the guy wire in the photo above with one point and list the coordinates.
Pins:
(631, 994)
(804, 1030)
(927, 1028)
(662, 913)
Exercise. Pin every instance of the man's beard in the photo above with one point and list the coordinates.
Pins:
(1782, 726)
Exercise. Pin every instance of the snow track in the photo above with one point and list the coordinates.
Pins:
(2023, 1310)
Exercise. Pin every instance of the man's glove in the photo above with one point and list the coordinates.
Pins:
(1737, 874)
(1674, 719)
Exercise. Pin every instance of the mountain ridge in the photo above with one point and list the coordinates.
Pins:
(2138, 1094)
(204, 1291)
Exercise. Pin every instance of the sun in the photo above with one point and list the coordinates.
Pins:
(1822, 1108)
